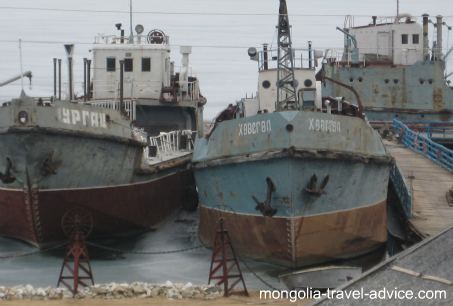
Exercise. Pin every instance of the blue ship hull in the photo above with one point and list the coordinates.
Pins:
(311, 223)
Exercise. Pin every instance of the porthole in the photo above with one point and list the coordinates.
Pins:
(422, 81)
(308, 83)
(386, 81)
(360, 79)
(396, 81)
(266, 84)
(351, 80)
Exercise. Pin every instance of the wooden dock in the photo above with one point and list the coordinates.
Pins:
(429, 184)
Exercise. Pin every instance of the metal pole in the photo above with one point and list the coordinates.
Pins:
(84, 79)
(121, 85)
(21, 65)
(89, 79)
(70, 77)
(310, 59)
(55, 78)
(59, 79)
(397, 8)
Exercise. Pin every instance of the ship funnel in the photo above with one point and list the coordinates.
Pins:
(425, 37)
(69, 52)
(184, 74)
(439, 37)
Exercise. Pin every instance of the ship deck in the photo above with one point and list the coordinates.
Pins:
(429, 184)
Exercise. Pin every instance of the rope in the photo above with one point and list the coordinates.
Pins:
(257, 276)
(103, 247)
(17, 255)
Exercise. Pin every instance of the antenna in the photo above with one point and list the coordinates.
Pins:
(131, 36)
(21, 66)
(286, 82)
(397, 8)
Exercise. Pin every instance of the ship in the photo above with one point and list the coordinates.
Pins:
(297, 179)
(392, 67)
(118, 155)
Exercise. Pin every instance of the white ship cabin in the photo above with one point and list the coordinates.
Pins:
(165, 104)
(308, 90)
(149, 72)
(388, 40)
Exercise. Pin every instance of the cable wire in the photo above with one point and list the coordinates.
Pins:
(175, 13)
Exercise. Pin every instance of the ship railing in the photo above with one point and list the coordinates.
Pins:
(422, 144)
(128, 107)
(136, 39)
(301, 58)
(171, 144)
(193, 93)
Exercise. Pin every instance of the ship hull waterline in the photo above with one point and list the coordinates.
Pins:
(34, 215)
(347, 221)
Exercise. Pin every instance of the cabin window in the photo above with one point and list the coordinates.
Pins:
(128, 65)
(111, 64)
(415, 39)
(404, 39)
(146, 64)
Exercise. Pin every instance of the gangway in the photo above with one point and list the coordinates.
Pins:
(426, 168)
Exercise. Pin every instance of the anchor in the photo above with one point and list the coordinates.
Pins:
(50, 165)
(265, 207)
(312, 186)
(7, 177)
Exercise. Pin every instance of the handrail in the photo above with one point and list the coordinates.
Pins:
(421, 144)
(170, 143)
(402, 189)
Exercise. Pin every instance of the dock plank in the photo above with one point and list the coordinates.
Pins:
(429, 184)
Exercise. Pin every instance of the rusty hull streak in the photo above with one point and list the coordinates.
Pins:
(317, 239)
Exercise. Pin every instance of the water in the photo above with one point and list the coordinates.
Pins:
(176, 233)
(220, 43)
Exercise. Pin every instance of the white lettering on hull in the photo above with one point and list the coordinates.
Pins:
(324, 125)
(254, 128)
(85, 118)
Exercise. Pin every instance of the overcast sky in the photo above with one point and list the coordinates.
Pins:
(220, 42)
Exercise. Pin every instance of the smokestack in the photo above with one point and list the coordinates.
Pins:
(374, 20)
(84, 79)
(439, 37)
(184, 74)
(425, 37)
(89, 79)
(59, 79)
(55, 78)
(265, 57)
(69, 51)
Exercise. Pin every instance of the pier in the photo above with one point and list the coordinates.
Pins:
(424, 165)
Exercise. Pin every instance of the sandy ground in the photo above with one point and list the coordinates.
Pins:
(233, 300)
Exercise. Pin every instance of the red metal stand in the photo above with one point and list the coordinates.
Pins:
(224, 264)
(77, 224)
(77, 264)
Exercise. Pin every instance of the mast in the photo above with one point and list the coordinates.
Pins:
(286, 82)
(397, 8)
(131, 35)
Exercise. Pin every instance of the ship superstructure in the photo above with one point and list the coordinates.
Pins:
(394, 69)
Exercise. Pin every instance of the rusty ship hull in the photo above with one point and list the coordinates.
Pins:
(313, 220)
(51, 163)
